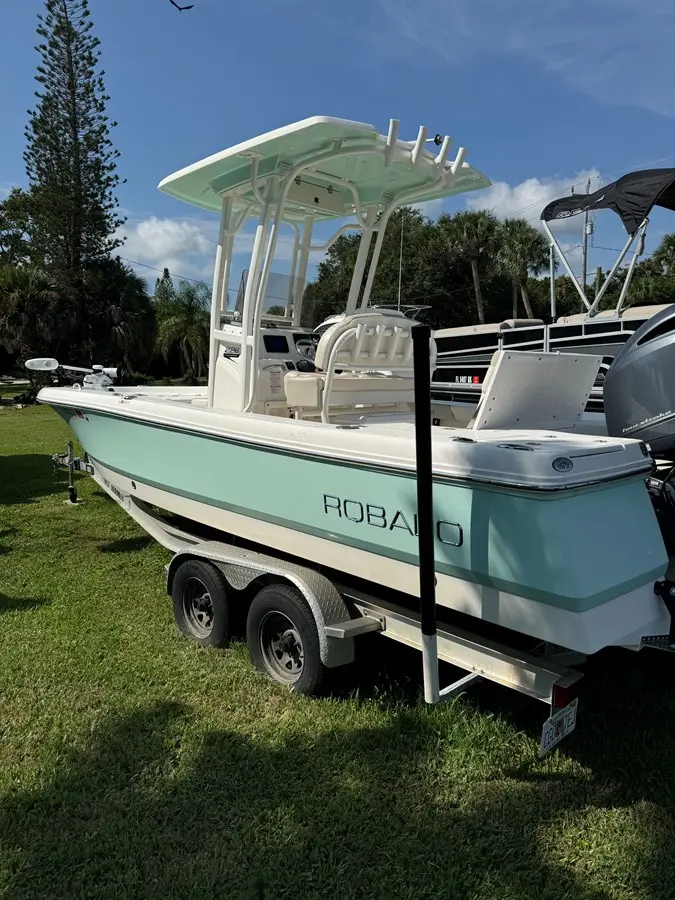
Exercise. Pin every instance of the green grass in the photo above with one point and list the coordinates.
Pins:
(134, 763)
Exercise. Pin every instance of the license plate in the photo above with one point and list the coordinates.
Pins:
(558, 726)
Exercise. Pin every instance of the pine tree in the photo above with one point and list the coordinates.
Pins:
(14, 224)
(164, 289)
(70, 159)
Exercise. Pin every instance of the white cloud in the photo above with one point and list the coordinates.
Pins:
(527, 199)
(184, 246)
(616, 51)
(187, 248)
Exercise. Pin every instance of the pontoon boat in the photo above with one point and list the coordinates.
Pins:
(464, 353)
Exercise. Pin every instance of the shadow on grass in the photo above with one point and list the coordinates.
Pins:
(20, 604)
(622, 692)
(4, 533)
(26, 477)
(155, 809)
(626, 700)
(384, 669)
(127, 545)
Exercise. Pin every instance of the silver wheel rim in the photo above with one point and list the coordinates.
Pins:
(281, 647)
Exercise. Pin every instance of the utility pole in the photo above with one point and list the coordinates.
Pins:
(551, 275)
(588, 227)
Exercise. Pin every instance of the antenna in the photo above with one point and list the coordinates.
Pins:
(400, 263)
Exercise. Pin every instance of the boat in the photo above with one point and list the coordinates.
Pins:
(464, 353)
(307, 443)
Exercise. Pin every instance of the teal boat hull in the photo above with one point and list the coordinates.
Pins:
(574, 550)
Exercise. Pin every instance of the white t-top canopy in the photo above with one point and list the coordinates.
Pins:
(378, 167)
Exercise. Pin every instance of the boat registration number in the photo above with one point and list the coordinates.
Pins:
(113, 490)
(467, 379)
(558, 726)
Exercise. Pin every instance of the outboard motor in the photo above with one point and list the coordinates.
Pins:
(639, 397)
(639, 388)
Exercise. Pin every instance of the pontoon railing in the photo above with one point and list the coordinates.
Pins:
(592, 308)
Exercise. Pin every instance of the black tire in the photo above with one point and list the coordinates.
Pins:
(283, 639)
(201, 603)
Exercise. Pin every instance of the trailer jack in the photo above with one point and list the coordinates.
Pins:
(73, 464)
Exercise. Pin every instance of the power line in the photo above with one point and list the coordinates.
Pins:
(134, 262)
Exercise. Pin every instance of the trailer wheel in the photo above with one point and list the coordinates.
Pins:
(283, 639)
(201, 603)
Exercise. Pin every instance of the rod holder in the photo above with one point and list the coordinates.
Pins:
(443, 152)
(418, 149)
(392, 137)
(459, 160)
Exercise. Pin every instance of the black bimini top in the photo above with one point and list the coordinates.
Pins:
(632, 197)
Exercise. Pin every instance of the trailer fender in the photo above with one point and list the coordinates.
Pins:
(241, 567)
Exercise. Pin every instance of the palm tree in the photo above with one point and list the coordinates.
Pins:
(122, 315)
(32, 316)
(472, 235)
(523, 250)
(664, 255)
(183, 322)
(645, 289)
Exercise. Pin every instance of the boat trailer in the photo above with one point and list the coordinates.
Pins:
(300, 622)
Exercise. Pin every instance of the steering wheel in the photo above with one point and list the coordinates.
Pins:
(306, 347)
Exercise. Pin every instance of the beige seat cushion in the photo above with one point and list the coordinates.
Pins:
(304, 390)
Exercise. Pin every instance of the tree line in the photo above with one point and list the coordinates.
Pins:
(472, 267)
(65, 292)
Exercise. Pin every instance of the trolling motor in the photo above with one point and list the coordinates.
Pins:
(96, 378)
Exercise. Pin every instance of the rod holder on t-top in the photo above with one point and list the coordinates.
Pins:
(632, 197)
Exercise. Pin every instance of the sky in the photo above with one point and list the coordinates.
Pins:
(542, 95)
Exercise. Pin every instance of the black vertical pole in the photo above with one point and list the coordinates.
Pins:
(421, 336)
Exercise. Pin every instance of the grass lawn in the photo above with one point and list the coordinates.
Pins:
(136, 764)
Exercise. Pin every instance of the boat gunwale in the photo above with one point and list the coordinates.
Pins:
(403, 470)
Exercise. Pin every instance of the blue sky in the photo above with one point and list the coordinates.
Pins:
(542, 95)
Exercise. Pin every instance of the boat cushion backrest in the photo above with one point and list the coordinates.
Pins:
(369, 341)
(529, 389)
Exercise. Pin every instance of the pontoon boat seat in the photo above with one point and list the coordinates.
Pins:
(364, 360)
(510, 324)
(529, 389)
